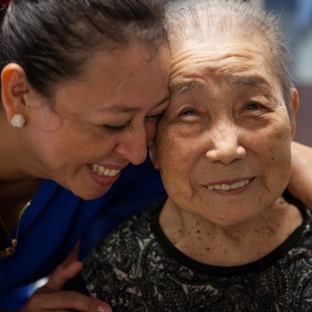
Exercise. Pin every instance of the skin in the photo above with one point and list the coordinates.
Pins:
(72, 172)
(50, 298)
(105, 117)
(298, 183)
(226, 123)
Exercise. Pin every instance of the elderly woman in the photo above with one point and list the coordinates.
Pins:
(225, 239)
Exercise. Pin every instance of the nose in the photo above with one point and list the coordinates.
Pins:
(225, 146)
(133, 147)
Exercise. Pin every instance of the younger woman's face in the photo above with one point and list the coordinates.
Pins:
(101, 122)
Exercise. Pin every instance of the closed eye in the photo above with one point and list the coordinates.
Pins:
(114, 128)
(153, 117)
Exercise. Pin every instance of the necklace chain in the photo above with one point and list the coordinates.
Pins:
(10, 250)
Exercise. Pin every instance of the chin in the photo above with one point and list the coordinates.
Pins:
(92, 194)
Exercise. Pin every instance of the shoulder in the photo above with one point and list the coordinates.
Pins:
(123, 252)
(126, 238)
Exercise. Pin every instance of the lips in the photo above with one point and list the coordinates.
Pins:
(228, 187)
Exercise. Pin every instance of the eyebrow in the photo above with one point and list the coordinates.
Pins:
(123, 109)
(249, 81)
(183, 87)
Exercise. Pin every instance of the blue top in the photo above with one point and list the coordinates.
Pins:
(56, 218)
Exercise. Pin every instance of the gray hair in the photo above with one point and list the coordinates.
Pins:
(220, 18)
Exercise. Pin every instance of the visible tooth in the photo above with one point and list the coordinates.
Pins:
(113, 172)
(101, 170)
(235, 186)
(225, 187)
(110, 173)
(95, 167)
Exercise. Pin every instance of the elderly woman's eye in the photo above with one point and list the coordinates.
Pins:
(253, 106)
(188, 112)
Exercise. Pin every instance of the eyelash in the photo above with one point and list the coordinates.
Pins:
(253, 106)
(115, 128)
(153, 117)
(188, 112)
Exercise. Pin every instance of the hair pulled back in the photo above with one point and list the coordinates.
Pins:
(215, 20)
(53, 40)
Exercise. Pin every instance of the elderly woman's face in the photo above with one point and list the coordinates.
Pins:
(223, 145)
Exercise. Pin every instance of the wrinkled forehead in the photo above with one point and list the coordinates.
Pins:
(234, 58)
(214, 28)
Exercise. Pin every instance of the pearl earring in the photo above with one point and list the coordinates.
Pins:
(18, 121)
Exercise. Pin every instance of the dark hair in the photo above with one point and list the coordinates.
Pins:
(54, 39)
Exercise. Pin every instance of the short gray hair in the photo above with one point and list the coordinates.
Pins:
(214, 18)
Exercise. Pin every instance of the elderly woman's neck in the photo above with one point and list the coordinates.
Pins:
(213, 244)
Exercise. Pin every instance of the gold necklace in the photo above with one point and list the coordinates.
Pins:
(10, 250)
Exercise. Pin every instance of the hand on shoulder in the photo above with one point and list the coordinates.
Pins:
(51, 298)
(300, 184)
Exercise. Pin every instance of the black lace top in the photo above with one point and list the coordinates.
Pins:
(136, 268)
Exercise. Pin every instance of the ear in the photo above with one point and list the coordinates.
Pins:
(153, 154)
(15, 87)
(295, 106)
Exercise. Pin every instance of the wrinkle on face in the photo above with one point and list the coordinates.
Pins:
(213, 83)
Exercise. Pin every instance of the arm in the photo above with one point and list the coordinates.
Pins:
(51, 298)
(300, 184)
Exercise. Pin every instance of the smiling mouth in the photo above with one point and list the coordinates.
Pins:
(102, 171)
(228, 187)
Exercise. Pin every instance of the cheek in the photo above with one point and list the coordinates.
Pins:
(280, 141)
(277, 162)
(174, 168)
(165, 153)
(280, 158)
(277, 172)
(150, 130)
(45, 119)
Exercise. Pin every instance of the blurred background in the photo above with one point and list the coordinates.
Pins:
(296, 22)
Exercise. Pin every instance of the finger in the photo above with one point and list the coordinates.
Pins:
(65, 301)
(62, 273)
